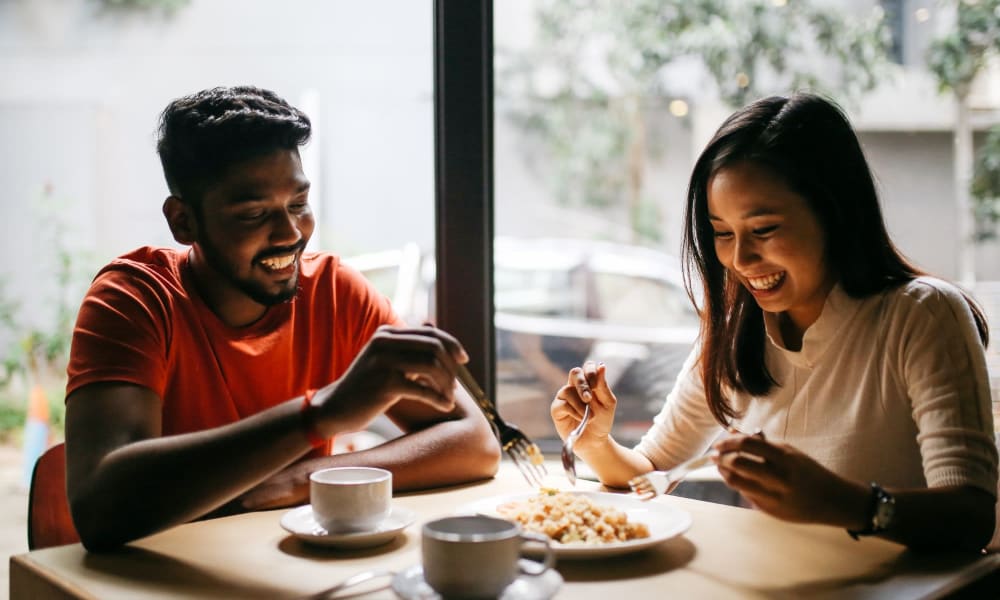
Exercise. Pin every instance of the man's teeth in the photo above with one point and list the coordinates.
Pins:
(767, 282)
(278, 262)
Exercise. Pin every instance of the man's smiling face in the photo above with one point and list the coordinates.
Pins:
(253, 224)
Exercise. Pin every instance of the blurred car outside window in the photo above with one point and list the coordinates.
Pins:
(560, 302)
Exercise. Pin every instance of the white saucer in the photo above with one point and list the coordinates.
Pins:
(410, 585)
(300, 523)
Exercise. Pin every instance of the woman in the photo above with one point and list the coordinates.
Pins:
(866, 378)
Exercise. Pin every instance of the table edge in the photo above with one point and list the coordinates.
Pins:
(970, 575)
(23, 570)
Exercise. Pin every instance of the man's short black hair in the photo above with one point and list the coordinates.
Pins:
(200, 136)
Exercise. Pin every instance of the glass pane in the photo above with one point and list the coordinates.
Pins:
(82, 178)
(600, 112)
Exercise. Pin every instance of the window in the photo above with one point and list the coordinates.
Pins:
(601, 111)
(79, 147)
(894, 17)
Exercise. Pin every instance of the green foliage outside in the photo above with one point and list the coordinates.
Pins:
(986, 187)
(956, 59)
(585, 91)
(37, 354)
(13, 411)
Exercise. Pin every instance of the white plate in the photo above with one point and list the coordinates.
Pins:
(300, 523)
(664, 522)
(410, 585)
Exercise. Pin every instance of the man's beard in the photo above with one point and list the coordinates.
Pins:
(254, 290)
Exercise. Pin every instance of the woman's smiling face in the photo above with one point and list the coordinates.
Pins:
(771, 241)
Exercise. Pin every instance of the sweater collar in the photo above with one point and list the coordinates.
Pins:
(837, 309)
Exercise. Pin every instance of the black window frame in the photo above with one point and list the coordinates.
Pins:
(463, 150)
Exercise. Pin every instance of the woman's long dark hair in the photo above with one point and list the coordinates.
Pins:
(807, 141)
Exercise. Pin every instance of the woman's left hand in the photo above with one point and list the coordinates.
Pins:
(785, 483)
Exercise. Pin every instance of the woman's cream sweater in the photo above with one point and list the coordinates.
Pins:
(891, 388)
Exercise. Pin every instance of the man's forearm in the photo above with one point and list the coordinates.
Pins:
(448, 453)
(152, 484)
(445, 453)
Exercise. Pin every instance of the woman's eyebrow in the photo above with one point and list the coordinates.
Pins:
(762, 211)
(756, 212)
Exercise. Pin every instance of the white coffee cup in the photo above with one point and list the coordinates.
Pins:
(477, 556)
(350, 499)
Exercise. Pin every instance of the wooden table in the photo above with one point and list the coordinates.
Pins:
(727, 553)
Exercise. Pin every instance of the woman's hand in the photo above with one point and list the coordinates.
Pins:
(586, 385)
(785, 483)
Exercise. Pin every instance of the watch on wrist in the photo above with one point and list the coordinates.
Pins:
(882, 513)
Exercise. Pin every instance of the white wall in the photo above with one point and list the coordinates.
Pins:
(81, 91)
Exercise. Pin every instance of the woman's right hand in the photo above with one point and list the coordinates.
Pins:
(585, 385)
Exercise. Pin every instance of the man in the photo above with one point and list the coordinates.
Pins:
(200, 380)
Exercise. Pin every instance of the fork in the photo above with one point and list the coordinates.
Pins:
(525, 454)
(568, 458)
(654, 483)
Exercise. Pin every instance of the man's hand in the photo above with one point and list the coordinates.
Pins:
(397, 363)
(288, 487)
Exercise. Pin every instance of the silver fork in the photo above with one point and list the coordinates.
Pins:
(654, 483)
(519, 448)
(568, 458)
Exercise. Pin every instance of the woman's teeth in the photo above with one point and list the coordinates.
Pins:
(277, 263)
(767, 282)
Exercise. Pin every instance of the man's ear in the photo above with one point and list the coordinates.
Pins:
(180, 219)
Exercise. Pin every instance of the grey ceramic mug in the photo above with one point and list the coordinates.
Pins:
(478, 556)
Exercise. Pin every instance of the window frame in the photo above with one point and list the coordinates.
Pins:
(463, 151)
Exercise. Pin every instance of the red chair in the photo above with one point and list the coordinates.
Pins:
(49, 519)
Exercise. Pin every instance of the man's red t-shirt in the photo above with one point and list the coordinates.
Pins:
(143, 322)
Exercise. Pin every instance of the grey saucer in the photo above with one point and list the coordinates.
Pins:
(410, 585)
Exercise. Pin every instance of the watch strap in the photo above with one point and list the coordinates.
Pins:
(880, 500)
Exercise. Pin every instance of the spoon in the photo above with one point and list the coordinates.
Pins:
(350, 582)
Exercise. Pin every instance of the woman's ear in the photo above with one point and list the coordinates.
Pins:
(180, 220)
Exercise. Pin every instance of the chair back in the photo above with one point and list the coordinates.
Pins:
(49, 519)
